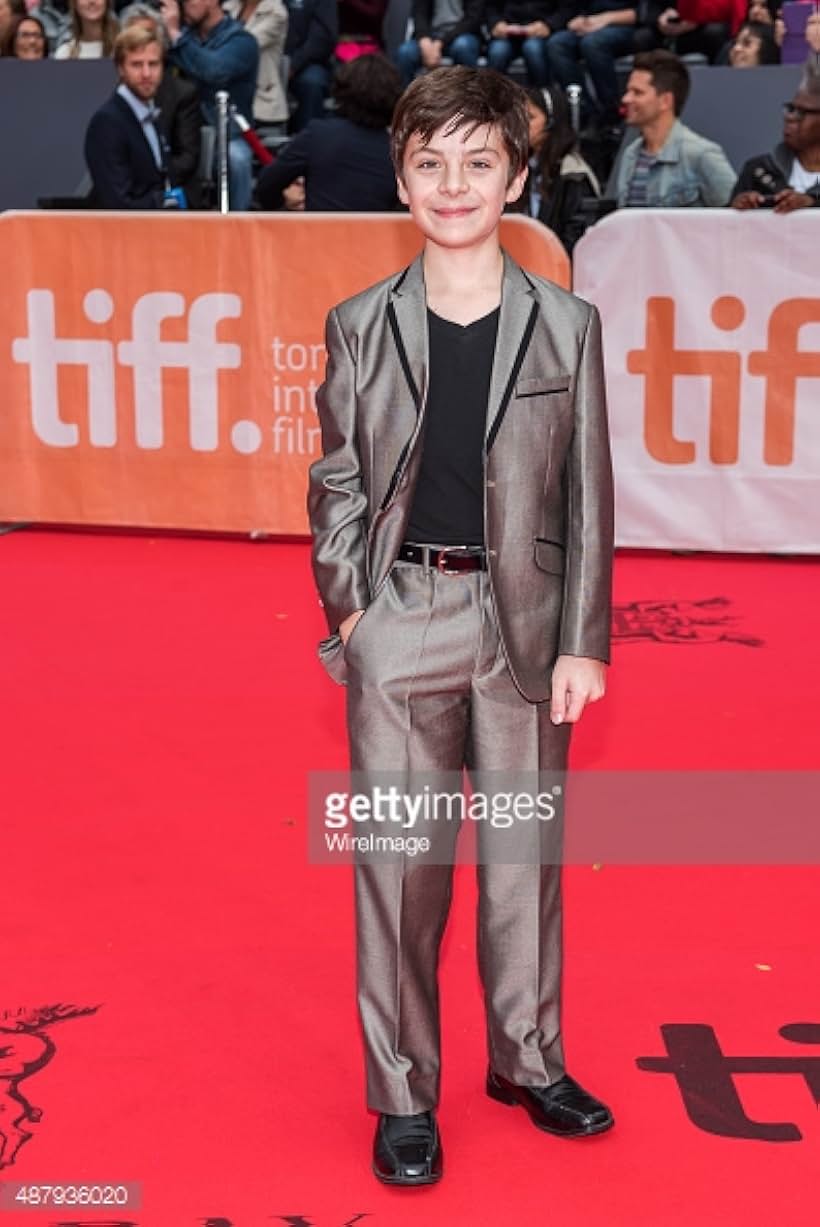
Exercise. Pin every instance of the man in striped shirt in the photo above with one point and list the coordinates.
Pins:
(668, 166)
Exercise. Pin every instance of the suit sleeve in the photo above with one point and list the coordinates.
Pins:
(422, 19)
(337, 502)
(587, 610)
(216, 66)
(108, 156)
(185, 138)
(322, 36)
(291, 162)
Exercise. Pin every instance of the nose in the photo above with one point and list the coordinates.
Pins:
(453, 181)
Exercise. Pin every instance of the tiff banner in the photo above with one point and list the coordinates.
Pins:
(712, 338)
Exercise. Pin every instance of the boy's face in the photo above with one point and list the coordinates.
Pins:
(457, 185)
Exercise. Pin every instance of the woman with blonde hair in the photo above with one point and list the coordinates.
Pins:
(91, 32)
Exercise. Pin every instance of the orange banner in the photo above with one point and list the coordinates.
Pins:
(160, 371)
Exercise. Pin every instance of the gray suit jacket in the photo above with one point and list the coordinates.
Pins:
(548, 478)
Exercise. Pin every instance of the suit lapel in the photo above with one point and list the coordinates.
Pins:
(408, 320)
(138, 131)
(519, 308)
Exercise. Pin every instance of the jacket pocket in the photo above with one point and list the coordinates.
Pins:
(549, 556)
(543, 385)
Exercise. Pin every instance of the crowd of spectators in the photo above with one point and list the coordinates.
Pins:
(314, 79)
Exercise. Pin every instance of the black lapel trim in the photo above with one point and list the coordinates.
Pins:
(508, 391)
(401, 280)
(402, 352)
(414, 392)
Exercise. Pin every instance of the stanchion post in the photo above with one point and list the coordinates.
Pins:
(222, 121)
(574, 100)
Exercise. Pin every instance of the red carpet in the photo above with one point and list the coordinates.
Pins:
(161, 710)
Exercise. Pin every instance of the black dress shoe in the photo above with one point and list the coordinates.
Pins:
(407, 1149)
(564, 1108)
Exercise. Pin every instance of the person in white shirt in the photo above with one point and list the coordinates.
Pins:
(267, 21)
(91, 33)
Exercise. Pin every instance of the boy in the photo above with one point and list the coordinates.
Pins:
(462, 524)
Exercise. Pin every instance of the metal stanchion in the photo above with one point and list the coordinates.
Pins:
(574, 100)
(222, 121)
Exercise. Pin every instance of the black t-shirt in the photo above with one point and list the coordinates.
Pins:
(448, 507)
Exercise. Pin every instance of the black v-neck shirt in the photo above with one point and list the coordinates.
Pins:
(448, 507)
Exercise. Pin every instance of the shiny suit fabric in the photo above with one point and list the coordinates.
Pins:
(445, 671)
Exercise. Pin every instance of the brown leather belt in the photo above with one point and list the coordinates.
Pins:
(448, 559)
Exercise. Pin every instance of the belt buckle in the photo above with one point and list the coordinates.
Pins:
(441, 561)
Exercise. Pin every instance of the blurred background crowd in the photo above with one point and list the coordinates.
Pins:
(313, 83)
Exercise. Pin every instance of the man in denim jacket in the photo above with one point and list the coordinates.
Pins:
(668, 166)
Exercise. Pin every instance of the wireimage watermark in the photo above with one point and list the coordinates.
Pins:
(585, 817)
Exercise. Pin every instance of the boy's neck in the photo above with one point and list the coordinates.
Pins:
(463, 284)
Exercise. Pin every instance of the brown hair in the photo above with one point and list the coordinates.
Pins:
(110, 25)
(460, 97)
(366, 91)
(8, 47)
(669, 74)
(134, 38)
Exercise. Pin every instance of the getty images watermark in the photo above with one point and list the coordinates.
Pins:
(585, 817)
(435, 817)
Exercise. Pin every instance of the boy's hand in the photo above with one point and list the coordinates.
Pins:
(576, 681)
(350, 621)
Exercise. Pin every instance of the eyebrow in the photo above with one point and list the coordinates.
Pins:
(467, 152)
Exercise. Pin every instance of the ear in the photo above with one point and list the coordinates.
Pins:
(402, 190)
(517, 185)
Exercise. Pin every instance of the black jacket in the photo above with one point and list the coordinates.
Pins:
(346, 167)
(561, 206)
(120, 161)
(181, 120)
(313, 31)
(769, 174)
(470, 22)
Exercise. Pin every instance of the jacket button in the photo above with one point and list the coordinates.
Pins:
(490, 484)
(492, 553)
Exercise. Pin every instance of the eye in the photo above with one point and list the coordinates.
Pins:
(426, 164)
(481, 164)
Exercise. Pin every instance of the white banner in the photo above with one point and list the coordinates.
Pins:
(712, 339)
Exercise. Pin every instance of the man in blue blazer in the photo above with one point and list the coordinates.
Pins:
(124, 146)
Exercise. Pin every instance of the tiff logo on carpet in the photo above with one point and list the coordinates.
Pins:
(26, 1047)
(706, 1078)
(145, 352)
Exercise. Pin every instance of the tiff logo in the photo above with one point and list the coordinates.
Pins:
(201, 355)
(706, 1078)
(780, 364)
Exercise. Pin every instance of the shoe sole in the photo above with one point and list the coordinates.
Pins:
(501, 1096)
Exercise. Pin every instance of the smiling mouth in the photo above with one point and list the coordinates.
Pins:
(462, 212)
